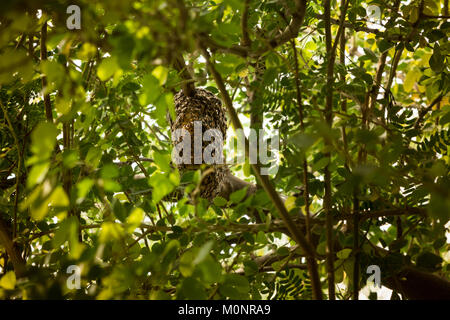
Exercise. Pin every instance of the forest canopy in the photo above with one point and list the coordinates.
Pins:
(353, 98)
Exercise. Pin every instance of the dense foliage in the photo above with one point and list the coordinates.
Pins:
(357, 89)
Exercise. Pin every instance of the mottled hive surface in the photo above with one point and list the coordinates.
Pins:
(203, 106)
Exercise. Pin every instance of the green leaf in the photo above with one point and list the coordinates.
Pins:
(303, 140)
(87, 51)
(429, 261)
(109, 171)
(439, 207)
(339, 274)
(220, 201)
(169, 255)
(277, 265)
(431, 7)
(93, 157)
(83, 187)
(37, 173)
(186, 263)
(235, 286)
(411, 78)
(238, 281)
(151, 90)
(344, 253)
(110, 231)
(290, 203)
(445, 119)
(8, 281)
(261, 238)
(160, 73)
(162, 186)
(384, 45)
(246, 168)
(321, 248)
(211, 270)
(66, 229)
(203, 252)
(437, 60)
(70, 158)
(283, 251)
(55, 74)
(398, 244)
(57, 198)
(162, 160)
(44, 139)
(250, 268)
(135, 219)
(414, 14)
(320, 164)
(111, 185)
(370, 54)
(62, 105)
(192, 289)
(107, 68)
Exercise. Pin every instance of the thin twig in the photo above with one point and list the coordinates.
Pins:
(47, 104)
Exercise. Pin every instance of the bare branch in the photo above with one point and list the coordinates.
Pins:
(244, 25)
(47, 104)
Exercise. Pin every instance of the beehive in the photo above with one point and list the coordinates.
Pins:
(202, 106)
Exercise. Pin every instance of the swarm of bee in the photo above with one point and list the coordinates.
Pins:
(202, 106)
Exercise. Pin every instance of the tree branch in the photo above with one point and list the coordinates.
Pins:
(11, 249)
(187, 85)
(47, 104)
(424, 111)
(244, 25)
(384, 213)
(291, 31)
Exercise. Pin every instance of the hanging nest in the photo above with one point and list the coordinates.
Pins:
(202, 106)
